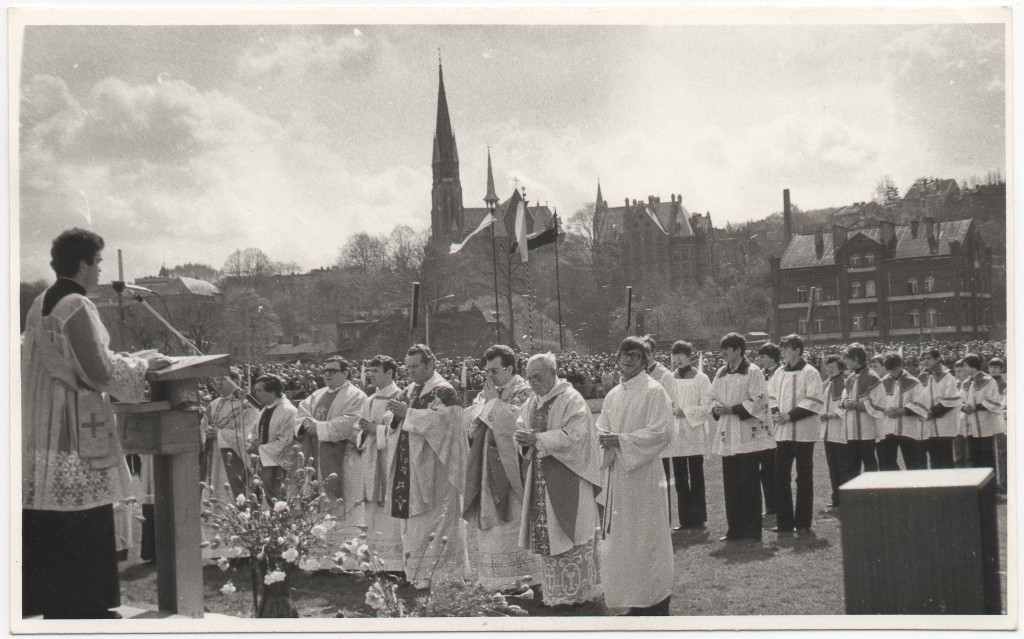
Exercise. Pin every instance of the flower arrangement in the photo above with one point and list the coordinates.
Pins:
(445, 597)
(279, 535)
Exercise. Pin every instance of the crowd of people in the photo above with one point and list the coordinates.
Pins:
(505, 443)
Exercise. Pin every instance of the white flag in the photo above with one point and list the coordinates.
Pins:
(462, 378)
(521, 234)
(484, 223)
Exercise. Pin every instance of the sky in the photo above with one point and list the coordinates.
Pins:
(183, 143)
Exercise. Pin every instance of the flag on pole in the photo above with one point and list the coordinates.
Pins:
(537, 240)
(484, 223)
(521, 234)
(462, 378)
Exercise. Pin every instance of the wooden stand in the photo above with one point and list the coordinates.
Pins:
(921, 542)
(167, 427)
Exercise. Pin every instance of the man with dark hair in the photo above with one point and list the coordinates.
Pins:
(72, 468)
(685, 452)
(997, 369)
(943, 399)
(330, 418)
(274, 433)
(796, 399)
(494, 487)
(981, 408)
(738, 401)
(635, 425)
(378, 441)
(768, 358)
(428, 474)
(904, 409)
(862, 394)
(833, 430)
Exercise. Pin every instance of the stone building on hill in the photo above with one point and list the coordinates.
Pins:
(900, 282)
(662, 244)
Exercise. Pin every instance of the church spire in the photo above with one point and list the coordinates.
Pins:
(446, 157)
(491, 197)
(446, 213)
(600, 200)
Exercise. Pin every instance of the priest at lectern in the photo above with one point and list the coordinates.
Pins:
(73, 469)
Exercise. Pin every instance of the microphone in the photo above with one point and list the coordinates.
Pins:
(120, 287)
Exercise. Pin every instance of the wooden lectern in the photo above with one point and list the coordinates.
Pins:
(167, 427)
(921, 542)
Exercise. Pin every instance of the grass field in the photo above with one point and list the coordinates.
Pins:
(790, 576)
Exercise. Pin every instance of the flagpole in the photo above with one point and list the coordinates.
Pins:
(558, 288)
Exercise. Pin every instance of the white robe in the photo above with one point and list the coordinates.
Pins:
(904, 393)
(832, 427)
(743, 387)
(690, 430)
(636, 559)
(865, 424)
(383, 532)
(796, 388)
(941, 389)
(982, 389)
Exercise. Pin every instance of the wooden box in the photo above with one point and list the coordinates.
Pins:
(921, 542)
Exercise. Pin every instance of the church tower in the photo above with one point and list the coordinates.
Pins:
(447, 217)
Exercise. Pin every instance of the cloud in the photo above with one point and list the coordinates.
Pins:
(172, 174)
(300, 55)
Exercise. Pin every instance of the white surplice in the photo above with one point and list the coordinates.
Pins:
(383, 532)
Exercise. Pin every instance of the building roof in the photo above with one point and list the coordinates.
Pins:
(801, 250)
(661, 213)
(925, 187)
(199, 287)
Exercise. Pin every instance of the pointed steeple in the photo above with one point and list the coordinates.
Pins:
(446, 213)
(600, 200)
(446, 156)
(491, 197)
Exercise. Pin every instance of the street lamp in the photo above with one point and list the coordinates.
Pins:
(430, 311)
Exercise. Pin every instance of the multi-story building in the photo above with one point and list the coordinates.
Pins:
(662, 244)
(921, 280)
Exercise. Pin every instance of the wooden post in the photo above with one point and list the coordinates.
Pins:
(167, 427)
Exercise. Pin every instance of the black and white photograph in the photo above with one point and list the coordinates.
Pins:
(574, 318)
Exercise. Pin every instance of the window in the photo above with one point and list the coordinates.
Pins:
(801, 293)
(869, 288)
(915, 318)
(912, 287)
(819, 326)
(801, 326)
(869, 259)
(855, 289)
(858, 322)
(929, 284)
(931, 317)
(872, 321)
(854, 259)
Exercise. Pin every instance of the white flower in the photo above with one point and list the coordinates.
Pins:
(228, 589)
(280, 506)
(280, 541)
(308, 564)
(526, 594)
(235, 552)
(365, 567)
(318, 531)
(290, 555)
(375, 597)
(223, 563)
(243, 516)
(240, 500)
(273, 577)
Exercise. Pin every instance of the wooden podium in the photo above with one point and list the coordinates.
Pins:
(921, 542)
(167, 427)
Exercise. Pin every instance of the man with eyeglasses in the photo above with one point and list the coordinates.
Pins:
(635, 426)
(428, 474)
(331, 416)
(494, 487)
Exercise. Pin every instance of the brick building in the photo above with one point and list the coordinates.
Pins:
(922, 280)
(663, 244)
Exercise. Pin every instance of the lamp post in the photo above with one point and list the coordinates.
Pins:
(430, 311)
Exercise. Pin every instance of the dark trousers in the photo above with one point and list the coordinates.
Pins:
(740, 480)
(272, 478)
(785, 454)
(659, 609)
(982, 451)
(69, 563)
(892, 445)
(766, 474)
(1001, 460)
(234, 468)
(860, 453)
(206, 459)
(689, 474)
(939, 451)
(835, 457)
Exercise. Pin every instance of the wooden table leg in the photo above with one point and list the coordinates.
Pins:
(179, 557)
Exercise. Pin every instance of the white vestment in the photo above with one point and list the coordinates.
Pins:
(383, 532)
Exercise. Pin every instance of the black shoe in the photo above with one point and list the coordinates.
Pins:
(782, 531)
(769, 511)
(804, 532)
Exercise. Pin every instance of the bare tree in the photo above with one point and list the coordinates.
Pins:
(364, 251)
(887, 193)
